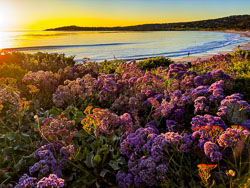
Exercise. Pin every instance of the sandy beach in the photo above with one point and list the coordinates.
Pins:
(242, 47)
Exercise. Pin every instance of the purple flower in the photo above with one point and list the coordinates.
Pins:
(200, 104)
(162, 169)
(246, 124)
(232, 136)
(34, 168)
(170, 124)
(26, 181)
(207, 120)
(52, 181)
(234, 109)
(52, 158)
(124, 180)
(212, 151)
(135, 141)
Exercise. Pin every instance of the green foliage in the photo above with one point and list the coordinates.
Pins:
(109, 67)
(38, 61)
(152, 63)
(71, 113)
(106, 66)
(47, 62)
(244, 53)
(96, 162)
(180, 169)
(12, 71)
(240, 68)
(242, 71)
(17, 149)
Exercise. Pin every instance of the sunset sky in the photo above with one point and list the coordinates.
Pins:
(43, 14)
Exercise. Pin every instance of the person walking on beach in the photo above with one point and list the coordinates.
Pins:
(188, 54)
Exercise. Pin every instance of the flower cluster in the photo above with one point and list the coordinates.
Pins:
(58, 130)
(124, 104)
(127, 124)
(75, 92)
(74, 72)
(51, 182)
(56, 147)
(176, 70)
(44, 81)
(12, 106)
(212, 151)
(101, 121)
(148, 151)
(215, 140)
(204, 173)
(199, 121)
(52, 159)
(232, 136)
(222, 61)
(26, 181)
(171, 108)
(234, 109)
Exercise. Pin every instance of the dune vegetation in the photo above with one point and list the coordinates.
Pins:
(149, 123)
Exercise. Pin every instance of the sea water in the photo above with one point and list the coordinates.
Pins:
(100, 45)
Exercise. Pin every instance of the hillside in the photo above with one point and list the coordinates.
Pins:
(238, 22)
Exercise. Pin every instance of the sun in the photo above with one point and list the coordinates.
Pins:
(6, 18)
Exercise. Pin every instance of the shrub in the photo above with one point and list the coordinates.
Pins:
(152, 63)
(12, 71)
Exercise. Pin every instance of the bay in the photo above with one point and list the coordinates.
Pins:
(98, 45)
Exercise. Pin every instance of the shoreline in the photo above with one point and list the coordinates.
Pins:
(192, 58)
(245, 46)
(181, 59)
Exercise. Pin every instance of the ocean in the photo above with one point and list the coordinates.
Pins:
(100, 45)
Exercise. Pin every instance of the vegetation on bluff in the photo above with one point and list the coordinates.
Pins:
(240, 22)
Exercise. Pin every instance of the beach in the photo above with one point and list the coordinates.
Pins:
(99, 46)
(240, 47)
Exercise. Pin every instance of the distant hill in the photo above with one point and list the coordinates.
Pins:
(237, 22)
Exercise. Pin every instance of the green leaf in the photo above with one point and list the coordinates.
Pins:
(114, 165)
(97, 184)
(104, 172)
(89, 160)
(25, 135)
(19, 164)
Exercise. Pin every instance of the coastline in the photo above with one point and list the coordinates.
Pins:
(183, 58)
(242, 47)
(192, 58)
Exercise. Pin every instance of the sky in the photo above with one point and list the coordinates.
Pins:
(43, 14)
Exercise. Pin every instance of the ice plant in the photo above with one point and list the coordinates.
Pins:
(204, 173)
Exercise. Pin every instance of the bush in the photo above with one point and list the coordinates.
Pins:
(109, 67)
(12, 71)
(152, 63)
(38, 61)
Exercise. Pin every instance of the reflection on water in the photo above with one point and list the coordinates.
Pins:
(106, 45)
